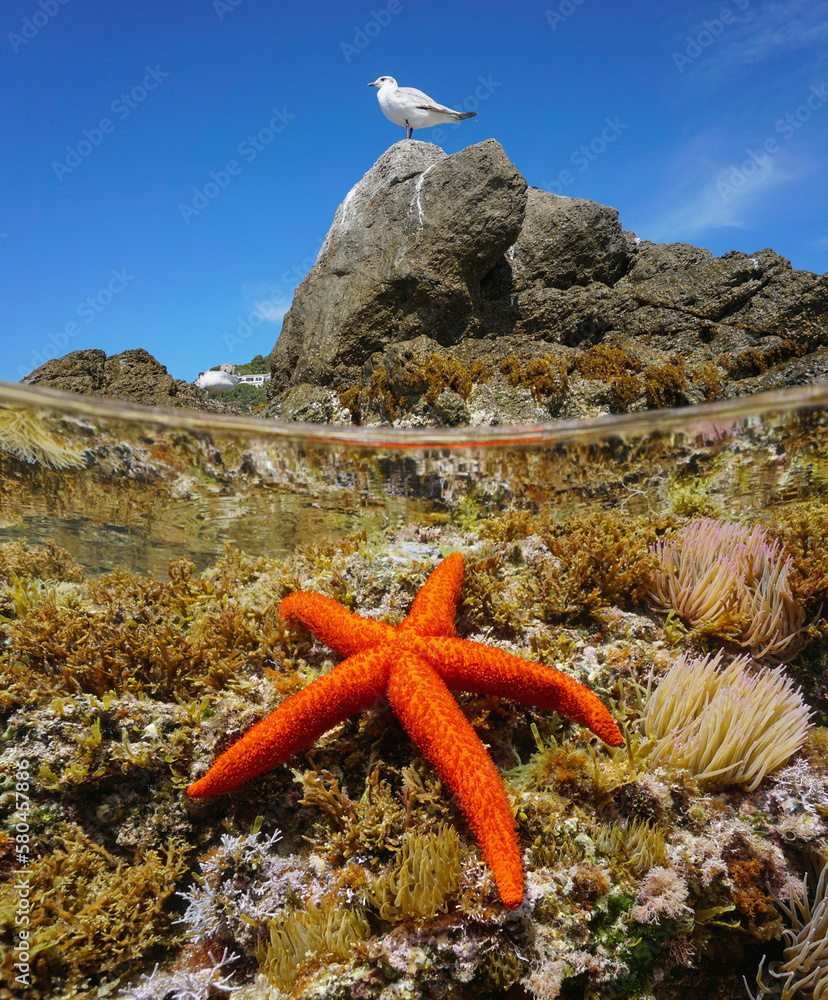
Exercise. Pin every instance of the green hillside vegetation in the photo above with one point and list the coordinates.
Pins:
(247, 396)
(258, 366)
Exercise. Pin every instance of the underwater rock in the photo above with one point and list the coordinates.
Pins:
(349, 873)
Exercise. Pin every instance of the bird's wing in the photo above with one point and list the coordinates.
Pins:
(436, 107)
(422, 101)
(414, 95)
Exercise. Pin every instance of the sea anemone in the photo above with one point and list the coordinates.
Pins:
(328, 929)
(728, 726)
(726, 579)
(640, 845)
(804, 964)
(426, 875)
(36, 437)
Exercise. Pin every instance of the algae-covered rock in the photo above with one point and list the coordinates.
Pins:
(452, 258)
(346, 870)
(310, 404)
(134, 376)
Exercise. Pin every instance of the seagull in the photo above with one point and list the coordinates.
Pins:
(217, 382)
(412, 108)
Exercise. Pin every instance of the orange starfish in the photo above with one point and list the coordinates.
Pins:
(415, 665)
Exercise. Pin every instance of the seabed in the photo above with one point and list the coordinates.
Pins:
(143, 558)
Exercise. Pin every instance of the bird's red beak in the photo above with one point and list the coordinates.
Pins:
(374, 84)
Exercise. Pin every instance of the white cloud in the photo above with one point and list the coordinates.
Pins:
(760, 32)
(706, 189)
(778, 27)
(270, 311)
(270, 302)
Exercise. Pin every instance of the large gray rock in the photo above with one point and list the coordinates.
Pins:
(568, 241)
(446, 293)
(405, 256)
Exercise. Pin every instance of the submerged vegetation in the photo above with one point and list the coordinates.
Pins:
(653, 870)
(41, 439)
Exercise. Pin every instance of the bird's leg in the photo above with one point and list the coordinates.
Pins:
(409, 129)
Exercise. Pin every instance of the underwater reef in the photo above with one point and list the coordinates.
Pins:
(671, 866)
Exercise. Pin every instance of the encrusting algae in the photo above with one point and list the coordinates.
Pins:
(650, 871)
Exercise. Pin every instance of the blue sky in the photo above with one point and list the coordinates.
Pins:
(170, 169)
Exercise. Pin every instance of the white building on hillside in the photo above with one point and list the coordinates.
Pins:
(258, 379)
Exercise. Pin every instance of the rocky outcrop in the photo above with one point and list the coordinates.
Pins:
(448, 293)
(405, 256)
(134, 376)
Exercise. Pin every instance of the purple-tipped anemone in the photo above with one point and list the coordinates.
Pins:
(726, 579)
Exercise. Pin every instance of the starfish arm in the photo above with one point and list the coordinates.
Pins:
(342, 630)
(470, 666)
(353, 685)
(432, 612)
(434, 722)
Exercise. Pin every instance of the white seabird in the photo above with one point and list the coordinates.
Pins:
(217, 382)
(412, 108)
